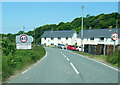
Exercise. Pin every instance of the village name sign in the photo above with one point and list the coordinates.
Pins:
(24, 41)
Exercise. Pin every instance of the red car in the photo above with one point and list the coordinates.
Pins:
(71, 47)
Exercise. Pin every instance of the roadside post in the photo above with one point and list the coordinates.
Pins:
(23, 41)
(114, 37)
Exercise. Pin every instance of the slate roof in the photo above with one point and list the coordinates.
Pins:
(60, 33)
(88, 33)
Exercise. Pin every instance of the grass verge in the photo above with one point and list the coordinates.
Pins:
(20, 59)
(112, 60)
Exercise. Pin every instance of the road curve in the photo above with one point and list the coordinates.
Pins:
(62, 66)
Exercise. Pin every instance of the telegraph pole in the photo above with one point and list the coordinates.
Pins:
(117, 24)
(34, 35)
(23, 29)
(82, 30)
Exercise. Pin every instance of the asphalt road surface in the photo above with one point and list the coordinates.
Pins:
(63, 66)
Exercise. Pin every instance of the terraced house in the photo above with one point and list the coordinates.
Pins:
(98, 41)
(66, 37)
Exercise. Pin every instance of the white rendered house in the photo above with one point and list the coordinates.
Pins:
(66, 37)
(99, 41)
(98, 36)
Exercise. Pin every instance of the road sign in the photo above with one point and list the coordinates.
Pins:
(23, 41)
(23, 38)
(23, 46)
(114, 36)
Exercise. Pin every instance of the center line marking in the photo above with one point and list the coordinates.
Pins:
(74, 68)
(76, 71)
(67, 59)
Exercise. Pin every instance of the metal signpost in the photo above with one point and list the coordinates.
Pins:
(114, 37)
(24, 41)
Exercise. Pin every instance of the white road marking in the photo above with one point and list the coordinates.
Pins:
(65, 56)
(67, 59)
(25, 71)
(42, 58)
(97, 62)
(77, 72)
(35, 64)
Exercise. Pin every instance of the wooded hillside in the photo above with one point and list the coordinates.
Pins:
(101, 21)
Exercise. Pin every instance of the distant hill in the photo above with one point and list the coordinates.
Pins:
(94, 22)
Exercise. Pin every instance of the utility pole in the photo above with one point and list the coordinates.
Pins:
(34, 35)
(23, 29)
(82, 30)
(117, 24)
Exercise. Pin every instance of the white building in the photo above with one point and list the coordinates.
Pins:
(98, 37)
(66, 37)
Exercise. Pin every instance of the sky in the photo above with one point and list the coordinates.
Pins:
(15, 15)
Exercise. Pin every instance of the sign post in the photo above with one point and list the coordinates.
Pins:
(114, 37)
(24, 41)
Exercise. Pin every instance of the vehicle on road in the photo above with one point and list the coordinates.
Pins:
(61, 46)
(79, 48)
(71, 47)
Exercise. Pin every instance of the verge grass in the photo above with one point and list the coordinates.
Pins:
(20, 59)
(113, 60)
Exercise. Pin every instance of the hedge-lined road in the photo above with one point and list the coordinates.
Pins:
(62, 66)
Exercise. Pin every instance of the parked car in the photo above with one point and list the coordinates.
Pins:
(71, 47)
(79, 48)
(61, 46)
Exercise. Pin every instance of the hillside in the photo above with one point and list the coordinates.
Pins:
(95, 22)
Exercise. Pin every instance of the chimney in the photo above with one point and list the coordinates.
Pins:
(110, 27)
(52, 30)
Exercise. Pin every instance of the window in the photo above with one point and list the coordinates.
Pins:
(92, 38)
(101, 38)
(66, 38)
(59, 38)
(52, 43)
(52, 38)
(45, 44)
(45, 38)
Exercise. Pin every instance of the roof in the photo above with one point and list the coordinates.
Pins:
(87, 33)
(60, 33)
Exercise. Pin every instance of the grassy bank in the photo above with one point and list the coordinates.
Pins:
(113, 59)
(20, 59)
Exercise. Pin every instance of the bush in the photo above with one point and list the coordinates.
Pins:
(114, 58)
(19, 59)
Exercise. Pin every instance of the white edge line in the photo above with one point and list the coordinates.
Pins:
(35, 64)
(42, 58)
(98, 62)
(25, 71)
(74, 68)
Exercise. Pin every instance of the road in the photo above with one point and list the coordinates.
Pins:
(63, 66)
